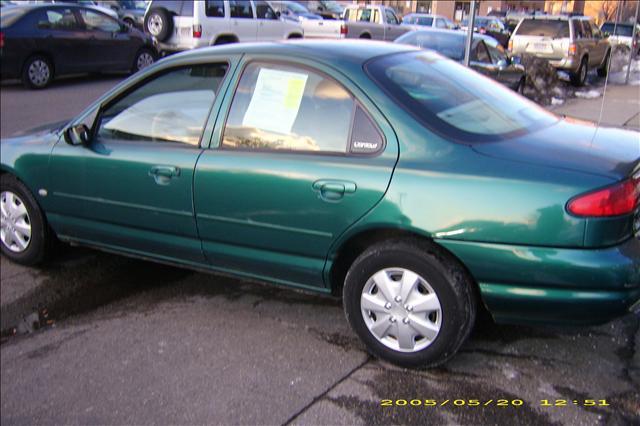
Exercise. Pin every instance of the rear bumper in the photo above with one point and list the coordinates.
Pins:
(568, 63)
(521, 284)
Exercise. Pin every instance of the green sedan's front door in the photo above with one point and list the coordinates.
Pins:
(131, 187)
(298, 159)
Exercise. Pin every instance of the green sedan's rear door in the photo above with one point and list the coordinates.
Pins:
(298, 155)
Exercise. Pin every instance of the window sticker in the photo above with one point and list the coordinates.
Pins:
(276, 100)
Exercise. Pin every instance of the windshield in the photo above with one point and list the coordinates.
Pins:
(420, 20)
(9, 15)
(455, 101)
(544, 28)
(621, 30)
(333, 6)
(297, 7)
(449, 45)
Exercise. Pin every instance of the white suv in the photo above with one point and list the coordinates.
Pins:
(182, 25)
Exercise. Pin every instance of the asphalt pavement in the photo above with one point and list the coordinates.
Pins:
(104, 339)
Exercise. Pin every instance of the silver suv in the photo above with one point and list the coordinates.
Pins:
(570, 43)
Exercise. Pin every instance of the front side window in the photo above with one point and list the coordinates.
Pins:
(264, 11)
(240, 9)
(97, 21)
(170, 108)
(496, 51)
(481, 54)
(391, 18)
(281, 107)
(214, 8)
(57, 19)
(440, 23)
(455, 101)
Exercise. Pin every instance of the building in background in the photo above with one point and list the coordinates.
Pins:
(600, 10)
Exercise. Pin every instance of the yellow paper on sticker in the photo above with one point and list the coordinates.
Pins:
(295, 87)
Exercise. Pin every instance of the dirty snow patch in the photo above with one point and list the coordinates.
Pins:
(590, 94)
(557, 101)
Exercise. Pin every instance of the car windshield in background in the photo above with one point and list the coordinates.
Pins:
(133, 4)
(9, 15)
(455, 101)
(544, 28)
(478, 22)
(449, 45)
(419, 20)
(297, 7)
(620, 30)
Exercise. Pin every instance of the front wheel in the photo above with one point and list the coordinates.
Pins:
(410, 302)
(143, 59)
(604, 69)
(24, 234)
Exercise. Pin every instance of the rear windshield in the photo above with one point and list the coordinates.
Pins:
(10, 14)
(453, 100)
(544, 28)
(449, 45)
(419, 20)
(621, 30)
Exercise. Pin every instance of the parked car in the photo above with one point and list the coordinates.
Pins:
(328, 9)
(41, 41)
(487, 57)
(366, 22)
(131, 12)
(182, 25)
(621, 34)
(418, 20)
(490, 25)
(293, 10)
(570, 43)
(413, 186)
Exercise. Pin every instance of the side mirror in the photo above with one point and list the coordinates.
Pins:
(77, 135)
(606, 34)
(517, 60)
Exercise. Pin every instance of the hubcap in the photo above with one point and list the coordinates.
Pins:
(401, 310)
(39, 72)
(144, 60)
(155, 25)
(15, 225)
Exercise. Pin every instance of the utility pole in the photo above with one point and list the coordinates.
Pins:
(631, 51)
(472, 21)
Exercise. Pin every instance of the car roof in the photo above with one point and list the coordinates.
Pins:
(558, 17)
(333, 51)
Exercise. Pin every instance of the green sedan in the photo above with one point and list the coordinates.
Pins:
(418, 189)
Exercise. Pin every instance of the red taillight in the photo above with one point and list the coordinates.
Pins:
(197, 31)
(573, 49)
(615, 200)
(1, 40)
(344, 30)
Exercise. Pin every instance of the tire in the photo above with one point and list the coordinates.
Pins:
(20, 209)
(448, 322)
(37, 72)
(159, 24)
(143, 59)
(520, 87)
(225, 40)
(129, 22)
(604, 68)
(365, 36)
(578, 78)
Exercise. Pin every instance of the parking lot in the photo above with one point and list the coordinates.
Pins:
(123, 341)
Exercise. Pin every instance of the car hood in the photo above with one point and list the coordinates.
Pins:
(573, 145)
(39, 130)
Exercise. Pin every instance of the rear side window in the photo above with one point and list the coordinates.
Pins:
(97, 21)
(425, 21)
(214, 8)
(586, 27)
(578, 31)
(544, 28)
(187, 8)
(264, 11)
(170, 108)
(281, 107)
(58, 19)
(454, 101)
(240, 9)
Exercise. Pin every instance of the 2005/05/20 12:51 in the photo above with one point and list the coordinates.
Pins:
(488, 402)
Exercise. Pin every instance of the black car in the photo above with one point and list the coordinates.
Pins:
(487, 57)
(40, 41)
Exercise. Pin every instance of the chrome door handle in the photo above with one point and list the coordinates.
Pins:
(163, 174)
(333, 190)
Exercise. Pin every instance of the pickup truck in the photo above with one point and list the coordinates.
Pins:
(370, 22)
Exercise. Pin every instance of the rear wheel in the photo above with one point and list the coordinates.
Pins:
(159, 24)
(25, 236)
(129, 22)
(37, 72)
(579, 77)
(409, 302)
